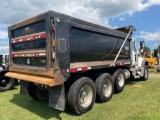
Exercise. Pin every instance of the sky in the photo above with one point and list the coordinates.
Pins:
(143, 14)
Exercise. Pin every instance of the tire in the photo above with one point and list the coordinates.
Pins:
(6, 84)
(104, 87)
(145, 75)
(36, 93)
(158, 69)
(16, 82)
(119, 80)
(81, 96)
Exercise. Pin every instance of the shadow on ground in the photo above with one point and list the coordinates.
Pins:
(40, 108)
(132, 81)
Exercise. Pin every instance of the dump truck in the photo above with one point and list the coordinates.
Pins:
(6, 83)
(72, 62)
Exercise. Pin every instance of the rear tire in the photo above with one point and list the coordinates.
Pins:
(104, 87)
(119, 80)
(6, 83)
(145, 75)
(81, 95)
(37, 93)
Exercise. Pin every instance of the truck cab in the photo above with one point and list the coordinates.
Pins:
(139, 64)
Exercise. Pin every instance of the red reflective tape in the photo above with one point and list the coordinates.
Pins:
(36, 55)
(35, 37)
(120, 64)
(80, 69)
(43, 36)
(84, 68)
(117, 64)
(12, 55)
(73, 70)
(28, 55)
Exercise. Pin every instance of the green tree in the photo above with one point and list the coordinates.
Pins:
(147, 49)
(156, 51)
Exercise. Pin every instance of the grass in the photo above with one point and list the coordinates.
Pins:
(139, 100)
(153, 70)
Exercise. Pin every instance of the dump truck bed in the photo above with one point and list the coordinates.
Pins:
(53, 45)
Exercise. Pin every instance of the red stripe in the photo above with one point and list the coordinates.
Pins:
(28, 55)
(12, 55)
(78, 69)
(73, 70)
(84, 68)
(117, 64)
(43, 36)
(120, 64)
(35, 37)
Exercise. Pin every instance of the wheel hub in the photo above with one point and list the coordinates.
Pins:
(85, 96)
(4, 82)
(105, 87)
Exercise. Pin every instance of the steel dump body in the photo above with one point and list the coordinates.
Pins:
(47, 48)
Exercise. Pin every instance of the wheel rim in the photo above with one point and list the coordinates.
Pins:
(85, 96)
(121, 80)
(107, 88)
(5, 83)
(145, 74)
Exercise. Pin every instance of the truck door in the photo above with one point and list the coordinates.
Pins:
(134, 55)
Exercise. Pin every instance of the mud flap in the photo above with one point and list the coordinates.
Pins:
(24, 88)
(57, 97)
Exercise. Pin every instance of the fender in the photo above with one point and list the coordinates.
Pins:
(144, 62)
(3, 72)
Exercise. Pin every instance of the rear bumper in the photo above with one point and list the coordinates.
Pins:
(44, 80)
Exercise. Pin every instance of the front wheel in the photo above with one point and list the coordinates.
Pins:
(145, 75)
(6, 84)
(81, 95)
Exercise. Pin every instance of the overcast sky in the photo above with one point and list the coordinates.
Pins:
(143, 14)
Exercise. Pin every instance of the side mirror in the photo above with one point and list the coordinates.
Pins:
(142, 45)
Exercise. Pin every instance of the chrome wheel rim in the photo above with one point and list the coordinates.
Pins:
(145, 74)
(85, 96)
(121, 80)
(107, 88)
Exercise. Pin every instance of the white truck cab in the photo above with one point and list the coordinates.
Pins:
(139, 65)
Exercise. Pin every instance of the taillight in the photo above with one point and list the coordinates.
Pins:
(53, 29)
